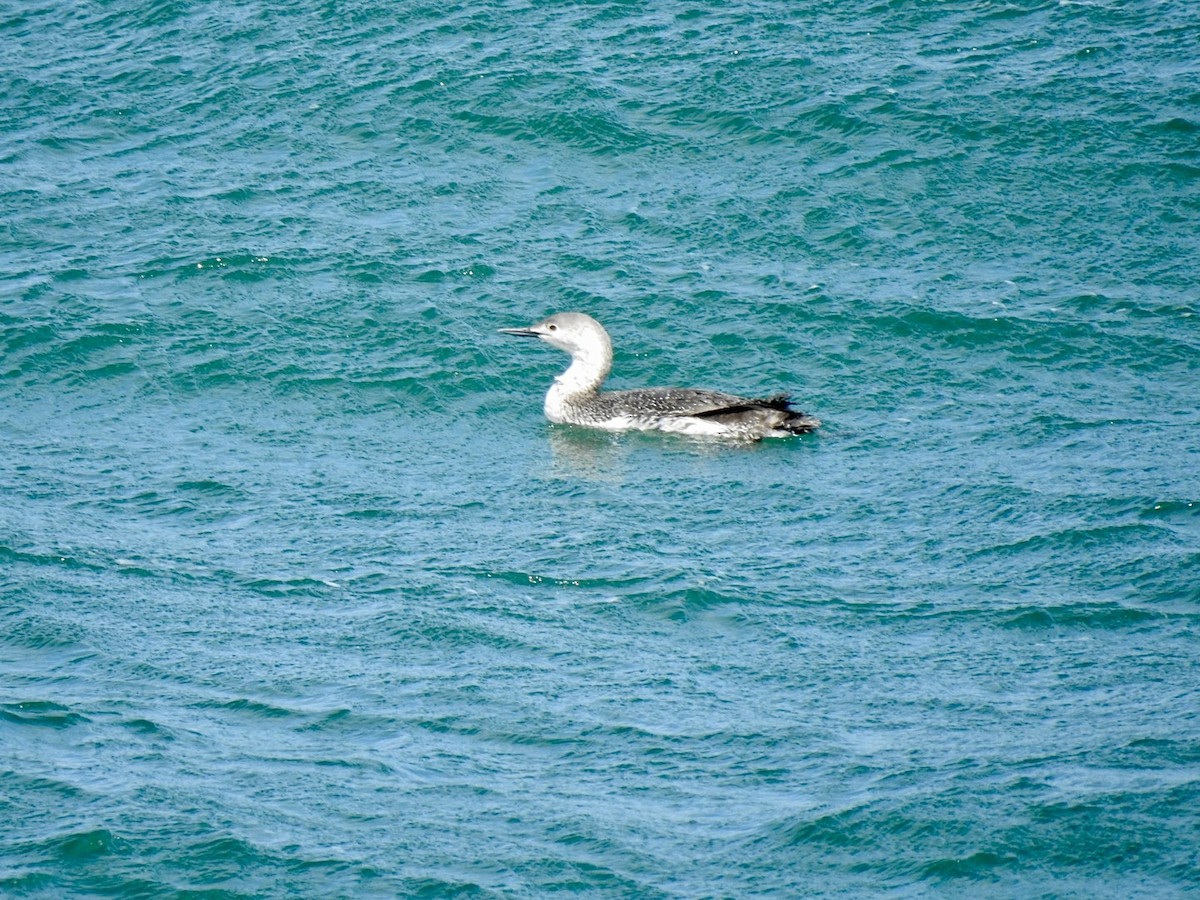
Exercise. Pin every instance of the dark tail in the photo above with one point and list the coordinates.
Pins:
(796, 422)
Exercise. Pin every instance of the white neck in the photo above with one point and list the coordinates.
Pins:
(582, 378)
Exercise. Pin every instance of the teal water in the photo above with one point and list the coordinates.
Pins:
(300, 596)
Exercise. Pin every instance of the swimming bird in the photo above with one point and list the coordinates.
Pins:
(575, 397)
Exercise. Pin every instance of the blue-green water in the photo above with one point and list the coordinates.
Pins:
(301, 596)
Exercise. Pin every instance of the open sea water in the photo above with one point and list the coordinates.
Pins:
(301, 596)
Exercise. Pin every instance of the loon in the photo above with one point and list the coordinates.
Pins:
(575, 397)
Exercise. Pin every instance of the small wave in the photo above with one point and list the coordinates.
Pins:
(980, 865)
(237, 266)
(41, 713)
(256, 709)
(66, 561)
(1108, 616)
(288, 587)
(1182, 511)
(148, 729)
(1070, 540)
(85, 845)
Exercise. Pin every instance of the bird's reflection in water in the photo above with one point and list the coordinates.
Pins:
(599, 455)
(586, 453)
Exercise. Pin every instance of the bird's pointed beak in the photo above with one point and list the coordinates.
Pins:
(520, 332)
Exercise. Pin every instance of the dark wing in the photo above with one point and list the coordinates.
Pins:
(673, 402)
(771, 413)
(777, 411)
(780, 402)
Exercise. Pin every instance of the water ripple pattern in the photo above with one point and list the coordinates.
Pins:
(301, 596)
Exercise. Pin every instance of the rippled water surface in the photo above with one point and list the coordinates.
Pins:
(302, 596)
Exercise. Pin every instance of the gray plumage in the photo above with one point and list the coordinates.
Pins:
(575, 397)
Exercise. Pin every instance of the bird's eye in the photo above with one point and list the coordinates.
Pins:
(552, 328)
